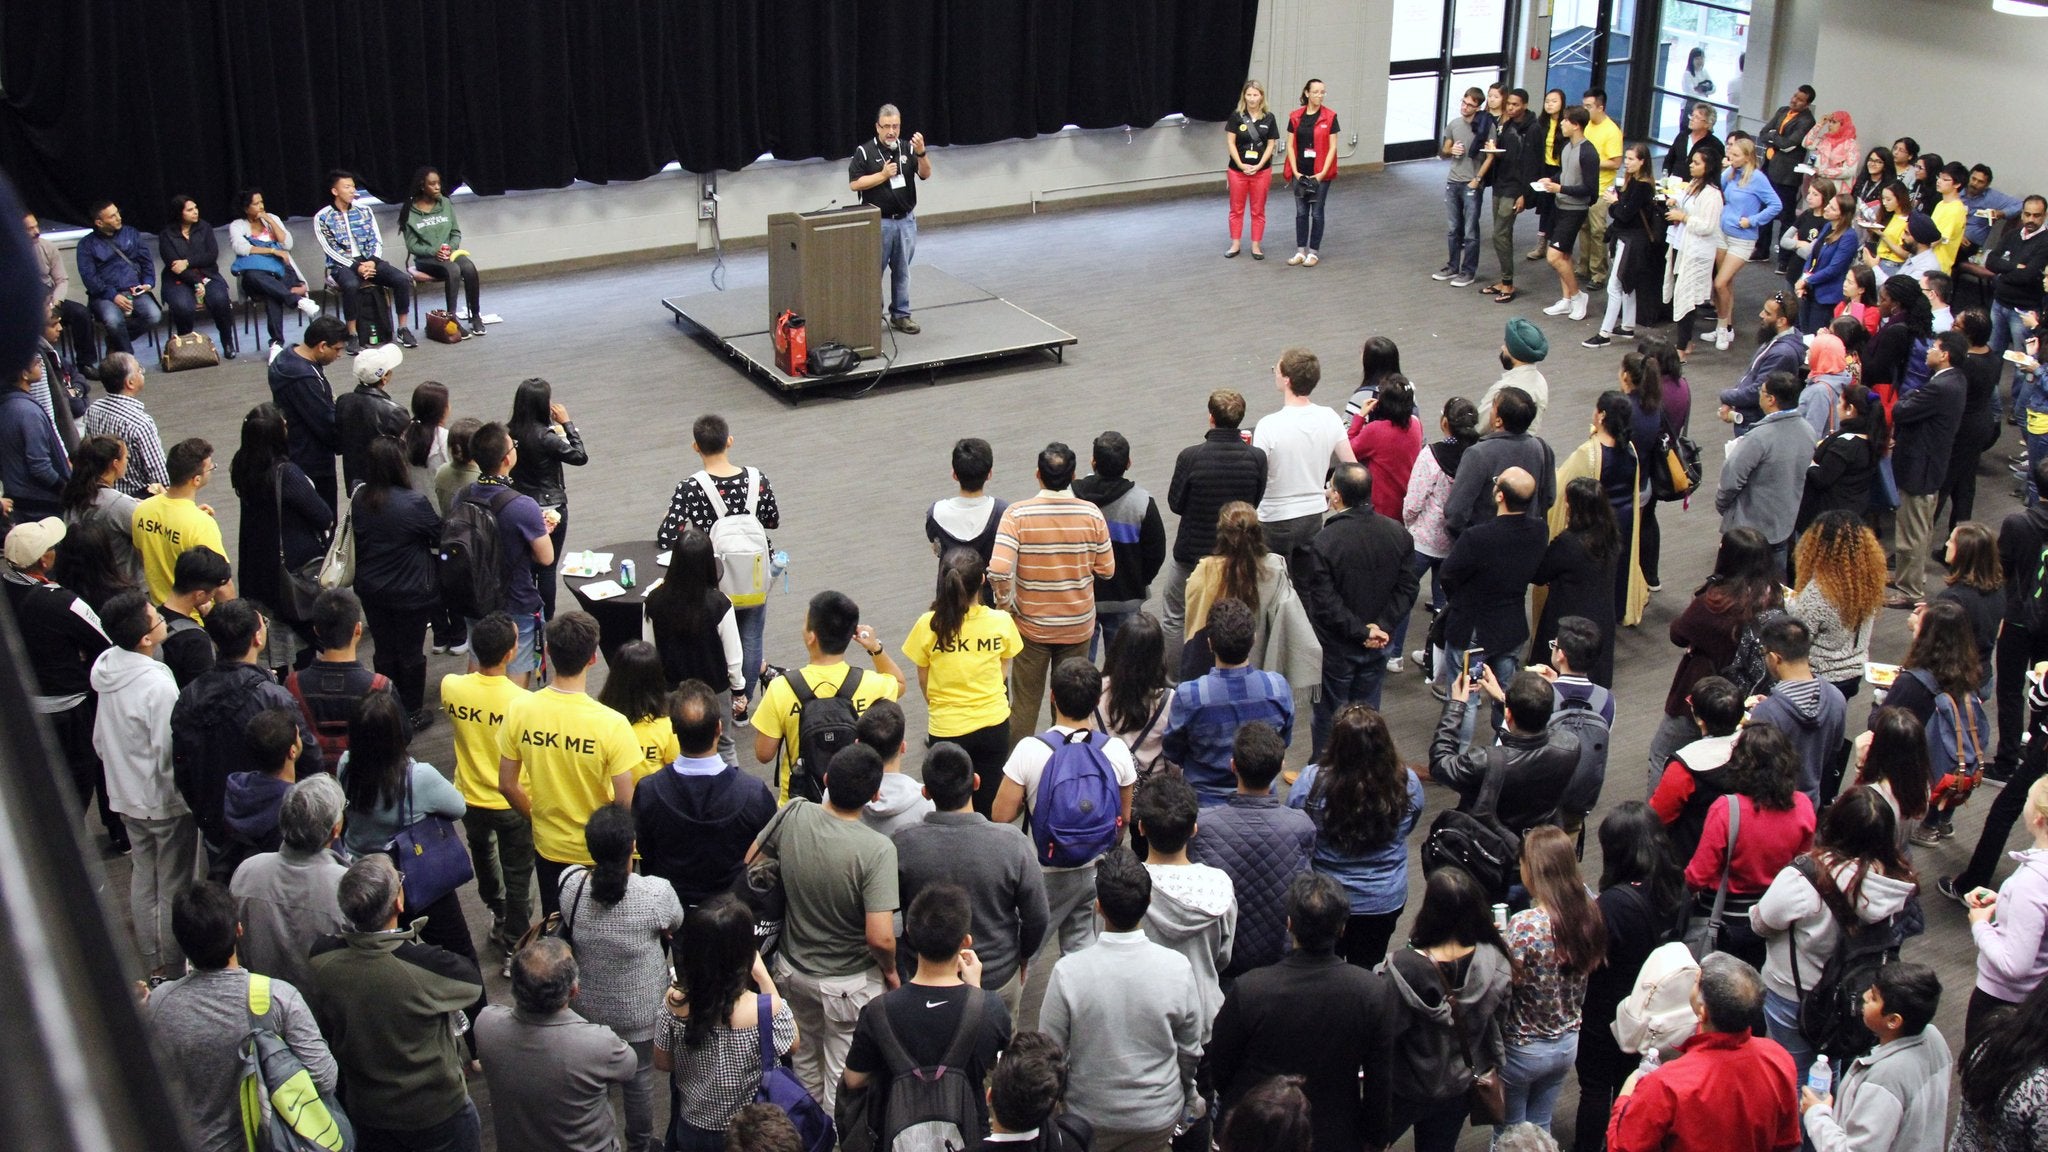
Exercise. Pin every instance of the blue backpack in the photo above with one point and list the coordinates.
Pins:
(1079, 812)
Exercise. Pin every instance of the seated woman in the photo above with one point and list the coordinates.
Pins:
(427, 225)
(192, 274)
(263, 259)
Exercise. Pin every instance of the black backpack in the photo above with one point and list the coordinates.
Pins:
(1747, 670)
(470, 564)
(1831, 1010)
(2033, 582)
(930, 1108)
(824, 725)
(1476, 841)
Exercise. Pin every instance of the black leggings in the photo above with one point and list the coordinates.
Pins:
(400, 635)
(1364, 942)
(1688, 324)
(457, 274)
(989, 748)
(353, 287)
(1651, 548)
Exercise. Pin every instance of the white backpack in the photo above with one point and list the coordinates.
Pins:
(1658, 1012)
(739, 542)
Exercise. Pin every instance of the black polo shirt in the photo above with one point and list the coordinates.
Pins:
(869, 158)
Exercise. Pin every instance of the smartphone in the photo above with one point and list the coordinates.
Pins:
(1469, 661)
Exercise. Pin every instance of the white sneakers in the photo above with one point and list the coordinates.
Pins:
(1723, 337)
(1563, 306)
(1579, 306)
(308, 308)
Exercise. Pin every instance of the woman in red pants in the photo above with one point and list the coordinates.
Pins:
(1250, 136)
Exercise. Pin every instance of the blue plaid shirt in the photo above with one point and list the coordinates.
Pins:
(1205, 715)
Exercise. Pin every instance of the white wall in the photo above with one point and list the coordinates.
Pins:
(1952, 74)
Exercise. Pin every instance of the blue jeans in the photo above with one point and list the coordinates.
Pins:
(899, 244)
(1461, 223)
(462, 1132)
(2009, 331)
(1504, 668)
(1781, 1020)
(1351, 675)
(1533, 1074)
(752, 623)
(123, 328)
(1308, 217)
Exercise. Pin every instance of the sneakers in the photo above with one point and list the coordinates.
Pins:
(308, 308)
(458, 649)
(1928, 835)
(1625, 333)
(475, 324)
(275, 348)
(1563, 305)
(406, 339)
(1947, 887)
(1597, 340)
(1578, 306)
(421, 720)
(905, 325)
(354, 347)
(1443, 273)
(1723, 337)
(1462, 280)
(1420, 658)
(1394, 665)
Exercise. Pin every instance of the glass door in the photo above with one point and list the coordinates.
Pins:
(1698, 58)
(1440, 48)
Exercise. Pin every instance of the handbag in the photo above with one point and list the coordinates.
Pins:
(430, 855)
(1676, 475)
(297, 588)
(192, 350)
(759, 885)
(338, 567)
(1704, 936)
(443, 328)
(781, 1088)
(557, 925)
(1486, 1098)
(831, 358)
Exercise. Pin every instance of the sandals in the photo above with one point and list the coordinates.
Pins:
(1504, 297)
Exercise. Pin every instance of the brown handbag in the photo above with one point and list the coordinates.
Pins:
(1487, 1097)
(442, 327)
(192, 350)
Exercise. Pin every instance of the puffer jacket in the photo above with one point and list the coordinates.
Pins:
(1430, 1061)
(1262, 845)
(1206, 476)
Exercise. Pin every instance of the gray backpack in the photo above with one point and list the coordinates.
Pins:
(932, 1108)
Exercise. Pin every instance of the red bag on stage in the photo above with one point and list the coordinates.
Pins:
(791, 347)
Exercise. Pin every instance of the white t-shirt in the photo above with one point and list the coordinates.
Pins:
(1301, 444)
(1028, 760)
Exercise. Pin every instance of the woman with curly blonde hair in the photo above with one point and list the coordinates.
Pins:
(1839, 595)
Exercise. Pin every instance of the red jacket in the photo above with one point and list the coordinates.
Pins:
(1734, 1088)
(1322, 138)
(1765, 842)
(1389, 454)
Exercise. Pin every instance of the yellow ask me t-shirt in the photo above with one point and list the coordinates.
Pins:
(964, 681)
(658, 746)
(163, 528)
(776, 717)
(569, 747)
(476, 705)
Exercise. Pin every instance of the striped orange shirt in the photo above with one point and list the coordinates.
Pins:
(1049, 550)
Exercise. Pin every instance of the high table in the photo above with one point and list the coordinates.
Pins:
(620, 619)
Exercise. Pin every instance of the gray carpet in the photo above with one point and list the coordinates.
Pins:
(1162, 321)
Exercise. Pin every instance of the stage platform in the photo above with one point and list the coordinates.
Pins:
(962, 324)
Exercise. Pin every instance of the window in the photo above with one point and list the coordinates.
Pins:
(1701, 46)
(1440, 48)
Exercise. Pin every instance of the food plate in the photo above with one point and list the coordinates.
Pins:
(1881, 675)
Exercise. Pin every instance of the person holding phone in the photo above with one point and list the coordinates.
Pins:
(119, 278)
(885, 172)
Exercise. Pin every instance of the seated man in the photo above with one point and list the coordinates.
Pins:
(355, 258)
(1535, 762)
(1205, 714)
(119, 278)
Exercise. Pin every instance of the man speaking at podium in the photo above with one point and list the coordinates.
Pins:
(881, 172)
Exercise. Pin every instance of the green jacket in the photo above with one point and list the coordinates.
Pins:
(425, 232)
(383, 1000)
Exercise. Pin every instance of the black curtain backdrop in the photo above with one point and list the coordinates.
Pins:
(108, 98)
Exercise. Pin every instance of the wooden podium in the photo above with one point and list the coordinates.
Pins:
(827, 268)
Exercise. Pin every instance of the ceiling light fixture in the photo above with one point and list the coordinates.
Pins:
(2020, 7)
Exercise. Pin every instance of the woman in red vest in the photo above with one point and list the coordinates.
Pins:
(1311, 165)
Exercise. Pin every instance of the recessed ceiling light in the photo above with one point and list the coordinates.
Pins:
(2020, 7)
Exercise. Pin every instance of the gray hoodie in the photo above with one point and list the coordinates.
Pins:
(1429, 1058)
(898, 805)
(1764, 477)
(1790, 914)
(1811, 713)
(1194, 912)
(1891, 1099)
(132, 734)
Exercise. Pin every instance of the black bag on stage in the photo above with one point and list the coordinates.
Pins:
(831, 358)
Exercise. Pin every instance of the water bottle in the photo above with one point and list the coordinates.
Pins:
(778, 565)
(1652, 1059)
(1500, 918)
(627, 575)
(1822, 1078)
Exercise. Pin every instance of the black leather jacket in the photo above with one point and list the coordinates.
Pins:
(542, 452)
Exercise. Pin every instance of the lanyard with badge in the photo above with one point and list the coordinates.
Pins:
(1251, 134)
